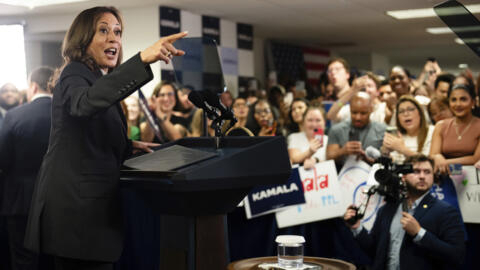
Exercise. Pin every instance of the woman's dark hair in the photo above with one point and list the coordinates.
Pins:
(409, 76)
(423, 129)
(441, 101)
(80, 35)
(156, 91)
(468, 88)
(292, 126)
(274, 94)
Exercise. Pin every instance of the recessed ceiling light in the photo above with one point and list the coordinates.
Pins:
(463, 66)
(438, 30)
(37, 3)
(425, 12)
(447, 30)
(467, 40)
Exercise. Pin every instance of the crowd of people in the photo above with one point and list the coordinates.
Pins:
(434, 114)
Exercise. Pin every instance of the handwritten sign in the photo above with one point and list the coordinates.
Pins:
(323, 198)
(355, 179)
(468, 194)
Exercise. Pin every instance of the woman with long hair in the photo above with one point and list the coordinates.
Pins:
(76, 211)
(456, 140)
(163, 103)
(414, 134)
(297, 111)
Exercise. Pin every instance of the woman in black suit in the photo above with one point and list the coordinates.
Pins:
(75, 213)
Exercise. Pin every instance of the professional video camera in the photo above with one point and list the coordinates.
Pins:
(389, 179)
(390, 185)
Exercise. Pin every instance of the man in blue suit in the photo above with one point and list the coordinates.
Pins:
(429, 235)
(23, 143)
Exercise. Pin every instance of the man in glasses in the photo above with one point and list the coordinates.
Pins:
(429, 235)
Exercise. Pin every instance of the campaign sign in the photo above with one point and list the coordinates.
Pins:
(323, 198)
(468, 194)
(355, 178)
(271, 198)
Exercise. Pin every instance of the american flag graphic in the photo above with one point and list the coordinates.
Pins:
(315, 63)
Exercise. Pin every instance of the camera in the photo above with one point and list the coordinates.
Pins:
(389, 179)
(390, 185)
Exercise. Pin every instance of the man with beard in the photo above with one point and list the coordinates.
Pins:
(429, 235)
(9, 98)
(353, 137)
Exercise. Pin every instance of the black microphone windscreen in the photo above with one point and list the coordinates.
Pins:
(213, 99)
(196, 99)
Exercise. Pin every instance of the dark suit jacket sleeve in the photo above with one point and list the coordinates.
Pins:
(449, 244)
(6, 144)
(86, 99)
(369, 240)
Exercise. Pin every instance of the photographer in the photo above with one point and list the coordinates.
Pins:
(427, 236)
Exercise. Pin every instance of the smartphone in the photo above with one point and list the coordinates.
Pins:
(391, 130)
(353, 136)
(318, 134)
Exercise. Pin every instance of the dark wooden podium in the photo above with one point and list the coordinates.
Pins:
(194, 198)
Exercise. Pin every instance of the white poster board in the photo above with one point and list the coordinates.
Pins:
(322, 195)
(355, 179)
(468, 194)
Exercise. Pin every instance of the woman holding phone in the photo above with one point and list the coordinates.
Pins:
(309, 146)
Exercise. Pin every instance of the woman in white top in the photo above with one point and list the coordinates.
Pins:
(306, 147)
(414, 134)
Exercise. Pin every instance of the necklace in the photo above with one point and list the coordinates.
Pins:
(459, 136)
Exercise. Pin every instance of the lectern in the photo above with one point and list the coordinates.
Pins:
(194, 182)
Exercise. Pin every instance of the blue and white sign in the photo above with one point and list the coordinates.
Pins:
(268, 199)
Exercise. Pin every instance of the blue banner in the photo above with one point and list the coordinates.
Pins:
(267, 199)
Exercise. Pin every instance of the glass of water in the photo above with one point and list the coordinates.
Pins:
(290, 251)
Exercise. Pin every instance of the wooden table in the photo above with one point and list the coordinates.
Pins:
(327, 264)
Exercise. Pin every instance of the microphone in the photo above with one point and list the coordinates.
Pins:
(226, 113)
(373, 152)
(198, 100)
(214, 101)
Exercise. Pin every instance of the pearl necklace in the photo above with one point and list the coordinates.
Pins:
(459, 136)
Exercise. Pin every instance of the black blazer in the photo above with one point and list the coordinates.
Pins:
(442, 246)
(23, 143)
(76, 208)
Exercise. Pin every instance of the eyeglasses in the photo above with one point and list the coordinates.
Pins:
(409, 110)
(265, 111)
(238, 105)
(169, 94)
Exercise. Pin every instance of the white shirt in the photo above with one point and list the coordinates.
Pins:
(411, 143)
(377, 115)
(299, 140)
